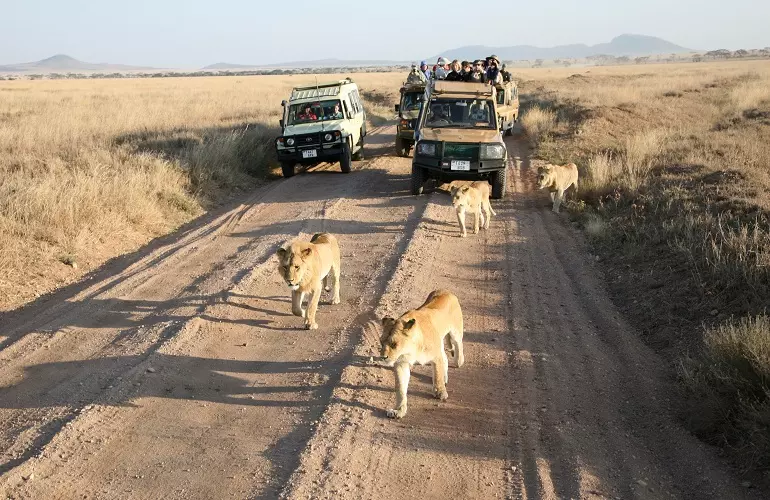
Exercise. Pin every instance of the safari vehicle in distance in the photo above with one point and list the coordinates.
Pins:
(412, 96)
(322, 122)
(507, 106)
(458, 136)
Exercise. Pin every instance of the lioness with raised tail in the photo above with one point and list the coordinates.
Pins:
(417, 337)
(473, 198)
(557, 178)
(307, 267)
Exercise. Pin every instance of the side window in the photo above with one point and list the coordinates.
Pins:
(356, 101)
(345, 105)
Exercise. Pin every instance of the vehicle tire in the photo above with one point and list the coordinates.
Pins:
(399, 146)
(509, 131)
(359, 155)
(345, 160)
(287, 169)
(418, 179)
(498, 180)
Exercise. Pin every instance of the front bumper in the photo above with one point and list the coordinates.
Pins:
(324, 152)
(442, 167)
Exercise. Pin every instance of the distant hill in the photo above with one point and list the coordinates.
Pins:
(319, 63)
(623, 45)
(66, 63)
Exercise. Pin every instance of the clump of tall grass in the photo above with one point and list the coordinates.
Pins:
(730, 388)
(538, 122)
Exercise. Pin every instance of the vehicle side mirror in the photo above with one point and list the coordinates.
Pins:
(283, 103)
(280, 122)
(397, 108)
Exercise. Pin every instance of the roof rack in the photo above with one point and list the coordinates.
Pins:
(449, 87)
(326, 89)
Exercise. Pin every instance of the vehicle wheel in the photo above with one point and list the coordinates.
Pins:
(359, 155)
(345, 160)
(407, 149)
(287, 169)
(418, 179)
(498, 183)
(399, 146)
(509, 131)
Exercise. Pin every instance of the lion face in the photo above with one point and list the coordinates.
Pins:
(397, 339)
(545, 176)
(293, 264)
(459, 195)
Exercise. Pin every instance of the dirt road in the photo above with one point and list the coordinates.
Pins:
(179, 372)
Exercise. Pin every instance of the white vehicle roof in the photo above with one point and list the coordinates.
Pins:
(327, 89)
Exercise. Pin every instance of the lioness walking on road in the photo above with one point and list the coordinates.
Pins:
(304, 266)
(473, 198)
(417, 337)
(557, 178)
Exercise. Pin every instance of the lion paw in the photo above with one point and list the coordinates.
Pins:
(311, 326)
(336, 301)
(463, 235)
(442, 395)
(399, 413)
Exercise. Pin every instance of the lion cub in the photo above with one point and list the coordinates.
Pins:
(303, 266)
(557, 178)
(475, 199)
(417, 337)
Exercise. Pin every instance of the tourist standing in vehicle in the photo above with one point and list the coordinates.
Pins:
(493, 70)
(415, 75)
(506, 74)
(425, 70)
(455, 75)
(477, 74)
(442, 68)
(467, 67)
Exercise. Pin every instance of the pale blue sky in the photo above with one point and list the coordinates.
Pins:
(194, 33)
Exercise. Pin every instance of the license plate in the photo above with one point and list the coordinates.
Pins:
(310, 153)
(460, 165)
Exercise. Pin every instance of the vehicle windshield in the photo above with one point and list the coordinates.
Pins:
(309, 112)
(412, 100)
(460, 113)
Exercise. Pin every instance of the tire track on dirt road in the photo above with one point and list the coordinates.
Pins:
(558, 398)
(166, 385)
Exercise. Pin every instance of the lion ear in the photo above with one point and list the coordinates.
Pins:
(307, 251)
(453, 190)
(409, 324)
(387, 321)
(281, 252)
(465, 189)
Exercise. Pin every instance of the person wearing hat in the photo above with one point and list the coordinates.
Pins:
(442, 68)
(415, 75)
(493, 70)
(425, 70)
(477, 74)
(467, 67)
(506, 74)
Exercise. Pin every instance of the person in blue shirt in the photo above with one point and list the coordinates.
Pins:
(424, 68)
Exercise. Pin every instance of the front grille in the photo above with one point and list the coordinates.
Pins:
(307, 140)
(463, 151)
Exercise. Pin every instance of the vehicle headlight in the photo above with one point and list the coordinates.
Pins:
(290, 141)
(332, 136)
(328, 137)
(405, 123)
(492, 152)
(426, 149)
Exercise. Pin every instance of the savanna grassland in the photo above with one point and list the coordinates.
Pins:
(675, 176)
(91, 169)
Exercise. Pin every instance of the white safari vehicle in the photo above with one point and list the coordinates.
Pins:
(322, 122)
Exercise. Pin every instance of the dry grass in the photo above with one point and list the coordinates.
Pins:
(538, 122)
(90, 169)
(675, 176)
